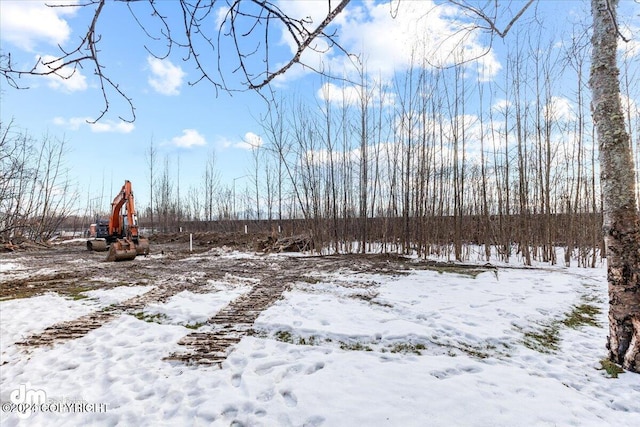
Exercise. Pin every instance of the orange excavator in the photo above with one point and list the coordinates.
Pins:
(119, 235)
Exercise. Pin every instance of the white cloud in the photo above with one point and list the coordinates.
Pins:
(223, 142)
(334, 93)
(391, 37)
(323, 157)
(27, 23)
(353, 94)
(488, 66)
(631, 48)
(221, 15)
(74, 123)
(67, 78)
(559, 108)
(103, 126)
(111, 126)
(249, 142)
(501, 105)
(165, 78)
(189, 138)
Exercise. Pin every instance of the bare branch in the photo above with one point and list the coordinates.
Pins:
(304, 45)
(247, 22)
(615, 22)
(86, 50)
(492, 21)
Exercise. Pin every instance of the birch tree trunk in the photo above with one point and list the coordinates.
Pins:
(621, 220)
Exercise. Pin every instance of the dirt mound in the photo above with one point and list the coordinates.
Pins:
(233, 240)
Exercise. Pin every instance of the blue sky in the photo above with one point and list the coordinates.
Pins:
(187, 123)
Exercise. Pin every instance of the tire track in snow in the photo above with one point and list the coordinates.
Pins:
(231, 323)
(73, 329)
(236, 320)
(274, 276)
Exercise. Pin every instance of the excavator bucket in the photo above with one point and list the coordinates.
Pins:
(122, 250)
(98, 245)
(142, 248)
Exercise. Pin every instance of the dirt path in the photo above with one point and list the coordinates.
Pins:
(70, 271)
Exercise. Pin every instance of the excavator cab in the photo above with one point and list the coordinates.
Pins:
(102, 228)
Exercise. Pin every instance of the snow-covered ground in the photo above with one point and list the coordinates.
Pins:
(420, 349)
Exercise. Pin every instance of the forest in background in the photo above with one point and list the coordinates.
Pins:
(429, 163)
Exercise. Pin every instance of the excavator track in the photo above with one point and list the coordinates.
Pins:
(269, 279)
(77, 328)
(230, 324)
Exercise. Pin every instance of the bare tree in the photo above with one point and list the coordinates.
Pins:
(210, 186)
(621, 219)
(486, 223)
(274, 128)
(332, 182)
(254, 173)
(363, 130)
(194, 204)
(151, 158)
(165, 209)
(35, 190)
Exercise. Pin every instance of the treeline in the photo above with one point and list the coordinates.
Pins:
(437, 231)
(435, 160)
(36, 195)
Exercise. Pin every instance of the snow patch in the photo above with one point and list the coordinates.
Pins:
(426, 348)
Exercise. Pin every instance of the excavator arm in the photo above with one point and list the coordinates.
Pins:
(116, 221)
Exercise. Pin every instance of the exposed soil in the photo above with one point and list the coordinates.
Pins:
(69, 270)
(206, 240)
